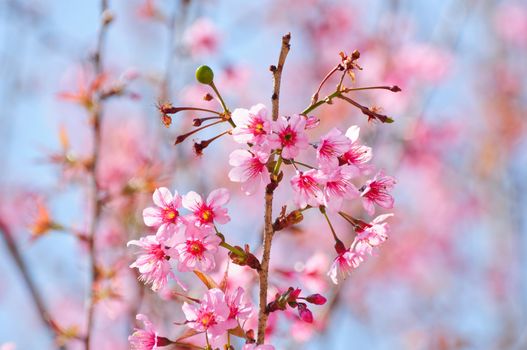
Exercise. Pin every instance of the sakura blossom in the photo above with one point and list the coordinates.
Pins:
(165, 217)
(338, 186)
(240, 309)
(357, 155)
(153, 261)
(144, 339)
(206, 213)
(211, 315)
(197, 251)
(375, 191)
(252, 126)
(343, 265)
(307, 189)
(250, 169)
(373, 234)
(289, 135)
(332, 145)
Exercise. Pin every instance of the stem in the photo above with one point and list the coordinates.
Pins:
(323, 211)
(96, 198)
(268, 215)
(225, 109)
(277, 166)
(315, 95)
(303, 164)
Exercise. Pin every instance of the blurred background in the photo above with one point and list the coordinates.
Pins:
(453, 273)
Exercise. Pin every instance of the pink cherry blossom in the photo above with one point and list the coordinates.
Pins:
(258, 347)
(343, 265)
(240, 309)
(289, 134)
(338, 186)
(197, 251)
(211, 315)
(372, 235)
(306, 188)
(165, 217)
(143, 339)
(250, 169)
(331, 146)
(152, 263)
(209, 212)
(312, 122)
(252, 126)
(376, 191)
(202, 37)
(357, 155)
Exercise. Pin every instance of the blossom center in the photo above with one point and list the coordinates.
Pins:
(170, 215)
(206, 215)
(195, 247)
(207, 319)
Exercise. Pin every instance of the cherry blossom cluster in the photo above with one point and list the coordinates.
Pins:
(325, 173)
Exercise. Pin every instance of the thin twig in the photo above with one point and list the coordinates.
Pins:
(268, 216)
(97, 202)
(37, 299)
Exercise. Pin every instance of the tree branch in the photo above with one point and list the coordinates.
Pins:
(268, 216)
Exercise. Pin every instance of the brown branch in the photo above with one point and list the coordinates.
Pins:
(268, 216)
(37, 299)
(97, 199)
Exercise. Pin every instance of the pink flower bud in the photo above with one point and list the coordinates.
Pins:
(316, 299)
(304, 313)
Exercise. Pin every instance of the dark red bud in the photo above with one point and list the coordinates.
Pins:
(316, 299)
(305, 314)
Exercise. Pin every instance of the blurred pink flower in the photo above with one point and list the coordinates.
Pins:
(202, 37)
(511, 23)
(197, 251)
(289, 135)
(376, 191)
(250, 169)
(165, 217)
(209, 212)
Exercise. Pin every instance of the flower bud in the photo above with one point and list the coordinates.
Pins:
(316, 299)
(304, 313)
(204, 75)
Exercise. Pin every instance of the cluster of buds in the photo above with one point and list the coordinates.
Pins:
(291, 298)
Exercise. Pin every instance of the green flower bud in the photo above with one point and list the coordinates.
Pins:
(204, 75)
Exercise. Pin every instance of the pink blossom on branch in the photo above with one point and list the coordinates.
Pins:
(209, 212)
(165, 217)
(331, 146)
(289, 135)
(240, 309)
(144, 339)
(373, 234)
(357, 155)
(344, 264)
(211, 315)
(250, 169)
(252, 126)
(375, 191)
(306, 188)
(153, 262)
(197, 251)
(338, 186)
